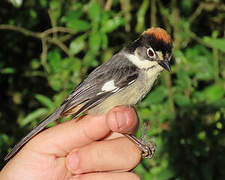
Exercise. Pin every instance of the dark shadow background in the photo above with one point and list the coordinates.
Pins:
(186, 109)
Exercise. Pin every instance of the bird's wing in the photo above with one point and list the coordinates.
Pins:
(104, 81)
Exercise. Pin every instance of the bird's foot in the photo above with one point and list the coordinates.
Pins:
(147, 148)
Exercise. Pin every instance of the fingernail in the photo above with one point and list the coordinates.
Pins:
(118, 119)
(121, 118)
(73, 161)
(113, 121)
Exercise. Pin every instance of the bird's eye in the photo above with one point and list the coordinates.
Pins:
(150, 53)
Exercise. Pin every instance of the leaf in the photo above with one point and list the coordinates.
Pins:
(214, 92)
(112, 24)
(33, 115)
(7, 70)
(104, 40)
(71, 16)
(43, 3)
(217, 43)
(94, 11)
(95, 41)
(4, 138)
(183, 80)
(182, 100)
(165, 174)
(141, 16)
(157, 95)
(45, 101)
(200, 63)
(55, 81)
(72, 64)
(78, 25)
(201, 135)
(35, 63)
(54, 11)
(145, 113)
(77, 45)
(16, 3)
(33, 14)
(54, 58)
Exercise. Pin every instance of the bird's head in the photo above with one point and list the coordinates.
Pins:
(152, 49)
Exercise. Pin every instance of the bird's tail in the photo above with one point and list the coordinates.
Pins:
(54, 116)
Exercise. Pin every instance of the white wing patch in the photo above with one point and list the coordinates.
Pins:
(109, 86)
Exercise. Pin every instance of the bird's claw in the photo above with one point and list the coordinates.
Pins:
(147, 148)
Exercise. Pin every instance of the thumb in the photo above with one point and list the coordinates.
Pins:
(63, 138)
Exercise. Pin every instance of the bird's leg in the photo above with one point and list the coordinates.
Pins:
(147, 148)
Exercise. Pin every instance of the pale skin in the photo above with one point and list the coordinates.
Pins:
(90, 149)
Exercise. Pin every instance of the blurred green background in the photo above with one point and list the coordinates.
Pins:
(48, 46)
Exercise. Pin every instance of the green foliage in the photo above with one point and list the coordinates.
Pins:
(48, 47)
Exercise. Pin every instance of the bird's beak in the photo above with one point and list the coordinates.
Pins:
(165, 64)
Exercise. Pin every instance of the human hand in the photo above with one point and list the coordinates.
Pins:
(88, 149)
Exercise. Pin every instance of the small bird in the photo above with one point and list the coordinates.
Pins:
(125, 79)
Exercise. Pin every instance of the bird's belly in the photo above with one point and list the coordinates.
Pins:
(126, 96)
